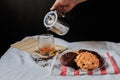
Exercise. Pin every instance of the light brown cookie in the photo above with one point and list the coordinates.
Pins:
(87, 60)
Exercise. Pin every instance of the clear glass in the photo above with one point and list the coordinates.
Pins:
(46, 43)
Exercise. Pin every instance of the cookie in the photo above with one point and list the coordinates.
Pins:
(68, 59)
(88, 60)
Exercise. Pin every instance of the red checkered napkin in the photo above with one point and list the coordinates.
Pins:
(110, 67)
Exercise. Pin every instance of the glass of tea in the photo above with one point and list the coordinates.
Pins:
(46, 44)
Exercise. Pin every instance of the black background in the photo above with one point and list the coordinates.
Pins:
(94, 20)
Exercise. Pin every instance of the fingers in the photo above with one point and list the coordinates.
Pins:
(55, 5)
(58, 7)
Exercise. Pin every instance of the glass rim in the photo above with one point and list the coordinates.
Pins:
(46, 34)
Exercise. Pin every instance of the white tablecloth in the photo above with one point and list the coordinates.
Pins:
(19, 65)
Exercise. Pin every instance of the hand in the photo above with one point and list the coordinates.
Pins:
(63, 6)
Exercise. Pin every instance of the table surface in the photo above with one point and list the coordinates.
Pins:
(19, 65)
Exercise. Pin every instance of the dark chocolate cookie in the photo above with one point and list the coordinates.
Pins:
(68, 59)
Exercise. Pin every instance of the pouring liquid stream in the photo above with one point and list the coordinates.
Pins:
(48, 30)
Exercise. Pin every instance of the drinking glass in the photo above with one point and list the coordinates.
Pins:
(46, 44)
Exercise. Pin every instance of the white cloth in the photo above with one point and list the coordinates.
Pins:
(19, 65)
